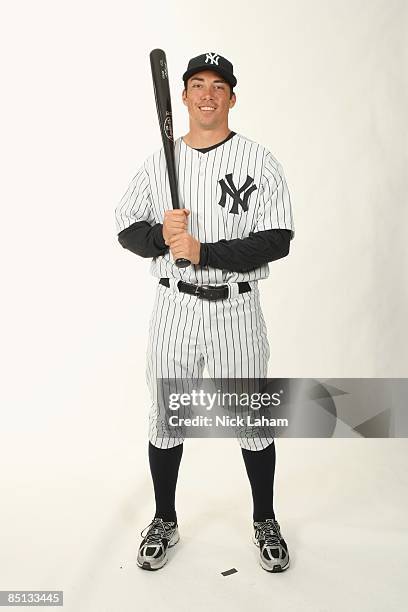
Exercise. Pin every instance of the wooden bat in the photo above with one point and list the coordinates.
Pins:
(161, 87)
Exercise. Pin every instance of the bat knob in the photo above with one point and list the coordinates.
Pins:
(182, 263)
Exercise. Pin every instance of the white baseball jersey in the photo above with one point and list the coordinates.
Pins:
(234, 189)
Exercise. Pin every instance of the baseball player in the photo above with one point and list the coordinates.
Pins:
(236, 219)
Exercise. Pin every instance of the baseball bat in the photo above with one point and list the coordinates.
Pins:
(161, 88)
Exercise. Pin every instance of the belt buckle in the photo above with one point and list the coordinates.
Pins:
(200, 290)
(202, 294)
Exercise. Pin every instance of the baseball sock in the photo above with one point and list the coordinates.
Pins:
(164, 466)
(260, 467)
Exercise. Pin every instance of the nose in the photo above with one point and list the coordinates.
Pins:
(207, 91)
(207, 99)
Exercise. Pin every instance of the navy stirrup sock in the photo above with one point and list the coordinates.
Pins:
(164, 467)
(260, 467)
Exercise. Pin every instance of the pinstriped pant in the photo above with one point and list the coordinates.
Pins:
(187, 333)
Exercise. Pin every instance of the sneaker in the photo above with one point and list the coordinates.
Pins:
(161, 535)
(274, 555)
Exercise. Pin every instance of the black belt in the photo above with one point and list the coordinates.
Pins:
(206, 292)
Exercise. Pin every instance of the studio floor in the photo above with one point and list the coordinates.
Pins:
(341, 504)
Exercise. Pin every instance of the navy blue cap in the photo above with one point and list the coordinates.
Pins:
(211, 61)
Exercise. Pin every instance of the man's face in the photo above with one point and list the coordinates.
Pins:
(208, 99)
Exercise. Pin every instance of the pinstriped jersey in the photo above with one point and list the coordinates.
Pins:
(232, 190)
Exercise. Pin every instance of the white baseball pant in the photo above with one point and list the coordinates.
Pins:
(186, 333)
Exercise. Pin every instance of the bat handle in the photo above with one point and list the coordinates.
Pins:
(182, 263)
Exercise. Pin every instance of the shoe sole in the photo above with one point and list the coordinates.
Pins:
(147, 566)
(276, 568)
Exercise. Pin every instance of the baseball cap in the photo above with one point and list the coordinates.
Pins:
(211, 61)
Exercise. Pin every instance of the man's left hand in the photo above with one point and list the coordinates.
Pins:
(186, 246)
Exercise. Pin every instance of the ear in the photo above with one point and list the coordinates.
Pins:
(184, 97)
(232, 100)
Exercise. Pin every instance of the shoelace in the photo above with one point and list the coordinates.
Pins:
(269, 531)
(157, 530)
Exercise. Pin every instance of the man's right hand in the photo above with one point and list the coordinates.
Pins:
(175, 222)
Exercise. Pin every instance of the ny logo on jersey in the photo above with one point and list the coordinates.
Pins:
(235, 193)
(212, 58)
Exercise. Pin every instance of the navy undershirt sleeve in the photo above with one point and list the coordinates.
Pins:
(144, 239)
(244, 254)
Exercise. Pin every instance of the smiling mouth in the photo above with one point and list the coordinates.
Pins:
(207, 109)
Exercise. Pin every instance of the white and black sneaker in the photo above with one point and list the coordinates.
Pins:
(161, 535)
(273, 550)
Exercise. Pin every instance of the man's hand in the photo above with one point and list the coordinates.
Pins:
(186, 246)
(175, 223)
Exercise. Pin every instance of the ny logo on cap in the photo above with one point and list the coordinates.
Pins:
(212, 58)
(235, 193)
